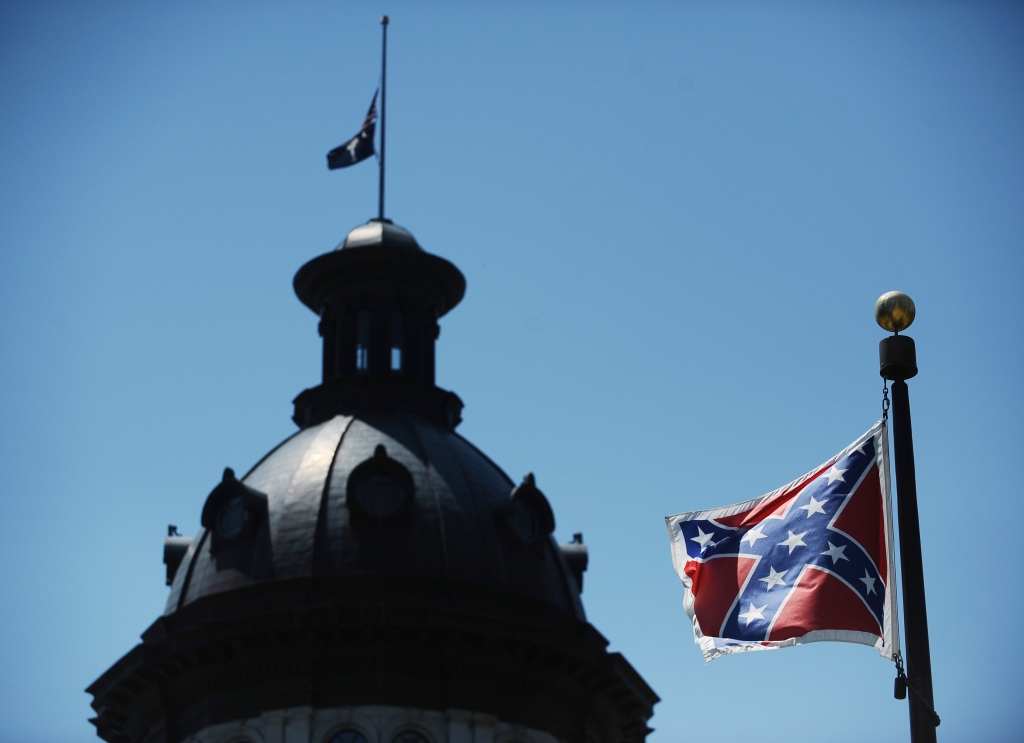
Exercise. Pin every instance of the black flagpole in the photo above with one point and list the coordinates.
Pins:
(898, 362)
(383, 107)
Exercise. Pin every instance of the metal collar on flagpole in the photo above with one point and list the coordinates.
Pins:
(383, 107)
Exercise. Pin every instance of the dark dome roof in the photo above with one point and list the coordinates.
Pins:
(458, 526)
(379, 233)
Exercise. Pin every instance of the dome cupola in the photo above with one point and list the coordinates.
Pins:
(379, 297)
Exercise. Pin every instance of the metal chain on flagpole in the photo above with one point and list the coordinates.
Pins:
(885, 400)
(903, 683)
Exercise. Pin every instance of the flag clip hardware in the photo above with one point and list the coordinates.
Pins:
(902, 683)
(899, 690)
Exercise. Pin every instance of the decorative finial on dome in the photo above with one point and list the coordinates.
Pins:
(379, 233)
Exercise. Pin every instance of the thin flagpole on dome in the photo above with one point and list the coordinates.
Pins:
(383, 107)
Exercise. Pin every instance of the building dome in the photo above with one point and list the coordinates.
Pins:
(375, 578)
(384, 492)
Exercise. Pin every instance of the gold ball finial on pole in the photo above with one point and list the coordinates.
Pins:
(895, 311)
(897, 356)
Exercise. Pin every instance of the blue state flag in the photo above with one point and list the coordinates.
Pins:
(360, 146)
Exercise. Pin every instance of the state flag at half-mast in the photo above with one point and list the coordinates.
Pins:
(360, 146)
(809, 562)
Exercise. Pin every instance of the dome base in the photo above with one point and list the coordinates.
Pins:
(374, 640)
(353, 395)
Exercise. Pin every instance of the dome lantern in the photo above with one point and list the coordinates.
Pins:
(379, 296)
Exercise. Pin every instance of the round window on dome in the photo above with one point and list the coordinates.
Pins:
(526, 515)
(380, 487)
(380, 494)
(233, 513)
(232, 517)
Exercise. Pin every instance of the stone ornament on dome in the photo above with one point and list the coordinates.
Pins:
(527, 513)
(233, 512)
(176, 547)
(380, 487)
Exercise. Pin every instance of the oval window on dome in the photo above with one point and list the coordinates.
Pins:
(527, 513)
(232, 517)
(348, 736)
(380, 494)
(380, 487)
(233, 512)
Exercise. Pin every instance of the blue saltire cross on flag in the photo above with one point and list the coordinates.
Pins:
(809, 562)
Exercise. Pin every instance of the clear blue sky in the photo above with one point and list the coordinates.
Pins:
(674, 221)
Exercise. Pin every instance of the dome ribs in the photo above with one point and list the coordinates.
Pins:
(453, 531)
(294, 530)
(321, 538)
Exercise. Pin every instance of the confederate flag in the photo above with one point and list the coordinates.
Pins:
(808, 562)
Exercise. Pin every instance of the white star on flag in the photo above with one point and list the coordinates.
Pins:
(836, 553)
(815, 506)
(834, 474)
(860, 449)
(868, 581)
(753, 535)
(702, 539)
(795, 540)
(753, 613)
(774, 578)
